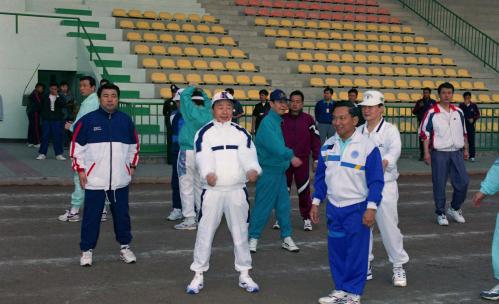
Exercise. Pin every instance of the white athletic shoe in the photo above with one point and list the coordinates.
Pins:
(30, 145)
(369, 276)
(307, 225)
(442, 220)
(60, 157)
(103, 217)
(289, 245)
(456, 215)
(187, 224)
(86, 258)
(175, 215)
(41, 157)
(36, 146)
(492, 294)
(127, 255)
(253, 243)
(247, 283)
(352, 299)
(399, 278)
(276, 225)
(196, 284)
(69, 217)
(335, 297)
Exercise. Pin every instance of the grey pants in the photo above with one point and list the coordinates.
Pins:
(325, 131)
(444, 164)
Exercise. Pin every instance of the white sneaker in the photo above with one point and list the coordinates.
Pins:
(456, 215)
(41, 157)
(289, 245)
(253, 243)
(472, 159)
(60, 157)
(127, 255)
(187, 224)
(175, 215)
(196, 284)
(246, 282)
(492, 294)
(69, 217)
(36, 146)
(103, 217)
(307, 225)
(276, 225)
(352, 299)
(31, 145)
(369, 273)
(335, 297)
(442, 220)
(86, 258)
(399, 278)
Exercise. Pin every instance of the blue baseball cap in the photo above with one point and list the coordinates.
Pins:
(278, 96)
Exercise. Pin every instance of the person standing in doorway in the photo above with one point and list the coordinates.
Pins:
(33, 110)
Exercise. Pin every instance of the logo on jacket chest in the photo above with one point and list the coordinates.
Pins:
(354, 154)
(97, 128)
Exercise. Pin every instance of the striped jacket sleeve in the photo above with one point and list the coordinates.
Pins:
(426, 127)
(374, 178)
(78, 147)
(134, 147)
(320, 187)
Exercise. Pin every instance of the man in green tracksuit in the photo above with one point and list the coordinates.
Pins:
(90, 104)
(271, 188)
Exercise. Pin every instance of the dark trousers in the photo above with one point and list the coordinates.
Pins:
(34, 128)
(421, 143)
(94, 203)
(444, 164)
(51, 129)
(301, 175)
(470, 128)
(176, 202)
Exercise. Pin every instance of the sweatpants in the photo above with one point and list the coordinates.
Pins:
(495, 250)
(94, 203)
(444, 164)
(78, 195)
(302, 179)
(34, 128)
(51, 129)
(234, 205)
(325, 131)
(189, 183)
(271, 193)
(176, 201)
(348, 247)
(387, 222)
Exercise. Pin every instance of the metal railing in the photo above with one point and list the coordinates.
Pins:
(461, 32)
(80, 28)
(150, 124)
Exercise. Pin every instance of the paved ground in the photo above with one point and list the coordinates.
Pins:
(39, 255)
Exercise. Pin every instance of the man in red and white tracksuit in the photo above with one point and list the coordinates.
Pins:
(301, 135)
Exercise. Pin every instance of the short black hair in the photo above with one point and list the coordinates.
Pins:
(445, 85)
(90, 79)
(39, 84)
(64, 83)
(427, 89)
(353, 90)
(103, 81)
(466, 94)
(53, 84)
(108, 86)
(230, 91)
(264, 92)
(352, 109)
(297, 93)
(328, 89)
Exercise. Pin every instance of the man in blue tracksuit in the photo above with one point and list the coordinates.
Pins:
(271, 188)
(490, 186)
(350, 175)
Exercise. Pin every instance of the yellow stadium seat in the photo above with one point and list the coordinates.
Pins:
(346, 82)
(318, 69)
(165, 93)
(361, 58)
(407, 30)
(309, 45)
(158, 77)
(296, 44)
(172, 26)
(210, 79)
(422, 50)
(486, 99)
(312, 24)
(126, 24)
(142, 25)
(218, 29)
(217, 65)
(387, 71)
(413, 72)
(232, 66)
(335, 46)
(346, 69)
(320, 57)
(428, 84)
(316, 82)
(203, 28)
(360, 83)
(212, 40)
(343, 95)
(332, 82)
(209, 19)
(409, 49)
(463, 73)
(304, 69)
(401, 83)
(165, 16)
(438, 73)
(419, 39)
(158, 26)
(398, 60)
(372, 28)
(374, 83)
(359, 27)
(466, 85)
(270, 32)
(374, 70)
(478, 85)
(403, 97)
(389, 97)
(495, 97)
(133, 36)
(415, 84)
(334, 36)
(322, 35)
(260, 21)
(386, 59)
(207, 52)
(350, 36)
(347, 58)
(400, 71)
(337, 26)
(407, 39)
(324, 25)
(240, 95)
(298, 23)
(281, 44)
(259, 80)
(150, 63)
(411, 60)
(373, 59)
(348, 47)
(333, 69)
(192, 52)
(187, 27)
(253, 94)
(167, 63)
(388, 84)
(194, 18)
(385, 38)
(200, 65)
(134, 13)
(448, 61)
(184, 64)
(198, 39)
(398, 49)
(141, 49)
(434, 50)
(283, 33)
(415, 97)
(435, 61)
(119, 12)
(180, 38)
(175, 51)
(166, 38)
(360, 47)
(150, 37)
(456, 84)
(383, 29)
(322, 46)
(243, 80)
(306, 56)
(423, 61)
(372, 48)
(310, 35)
(450, 73)
(292, 56)
(384, 48)
(158, 50)
(229, 41)
(273, 22)
(227, 80)
(284, 23)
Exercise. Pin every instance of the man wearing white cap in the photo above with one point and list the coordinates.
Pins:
(226, 159)
(387, 138)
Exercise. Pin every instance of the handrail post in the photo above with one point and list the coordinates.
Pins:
(17, 24)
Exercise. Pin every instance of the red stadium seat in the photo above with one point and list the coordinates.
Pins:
(254, 2)
(360, 10)
(372, 19)
(313, 15)
(360, 2)
(349, 17)
(267, 3)
(394, 20)
(326, 7)
(279, 4)
(338, 8)
(242, 2)
(325, 16)
(372, 2)
(300, 15)
(383, 11)
(315, 6)
(291, 5)
(303, 5)
(337, 17)
(349, 2)
(349, 9)
(277, 13)
(372, 10)
(263, 12)
(360, 18)
(250, 11)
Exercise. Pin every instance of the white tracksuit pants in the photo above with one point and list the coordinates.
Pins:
(234, 205)
(387, 221)
(189, 183)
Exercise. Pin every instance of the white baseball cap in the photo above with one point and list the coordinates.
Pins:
(372, 98)
(222, 96)
(177, 95)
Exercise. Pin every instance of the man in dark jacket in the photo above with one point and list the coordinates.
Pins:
(471, 115)
(33, 111)
(52, 123)
(168, 107)
(420, 108)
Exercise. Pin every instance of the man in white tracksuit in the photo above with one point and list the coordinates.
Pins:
(387, 139)
(226, 158)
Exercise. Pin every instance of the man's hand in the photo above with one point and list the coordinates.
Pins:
(427, 158)
(477, 199)
(211, 179)
(296, 162)
(385, 164)
(369, 217)
(466, 154)
(314, 165)
(471, 120)
(252, 176)
(83, 179)
(67, 125)
(132, 171)
(314, 214)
